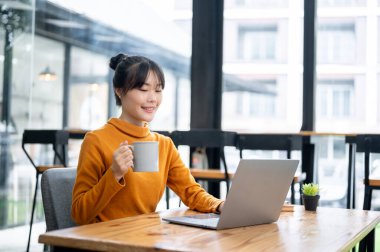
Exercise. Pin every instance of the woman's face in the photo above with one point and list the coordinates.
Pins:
(139, 105)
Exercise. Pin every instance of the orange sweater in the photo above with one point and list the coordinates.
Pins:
(97, 196)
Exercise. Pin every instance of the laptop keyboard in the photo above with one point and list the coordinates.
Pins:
(203, 216)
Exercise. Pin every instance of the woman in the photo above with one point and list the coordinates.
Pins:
(106, 187)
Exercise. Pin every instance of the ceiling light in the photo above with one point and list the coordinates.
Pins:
(47, 75)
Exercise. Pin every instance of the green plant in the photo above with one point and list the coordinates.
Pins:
(310, 189)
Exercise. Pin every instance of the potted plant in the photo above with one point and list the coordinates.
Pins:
(310, 196)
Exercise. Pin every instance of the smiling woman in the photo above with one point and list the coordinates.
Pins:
(107, 185)
(138, 84)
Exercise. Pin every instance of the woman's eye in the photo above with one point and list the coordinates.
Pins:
(158, 90)
(143, 90)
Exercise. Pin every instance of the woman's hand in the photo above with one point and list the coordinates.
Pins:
(122, 160)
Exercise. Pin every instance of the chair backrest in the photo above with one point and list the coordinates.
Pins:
(206, 138)
(56, 187)
(367, 143)
(55, 137)
(209, 138)
(269, 142)
(58, 139)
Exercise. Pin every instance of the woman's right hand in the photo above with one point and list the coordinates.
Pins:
(122, 160)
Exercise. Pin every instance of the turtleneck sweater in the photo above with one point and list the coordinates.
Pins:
(98, 196)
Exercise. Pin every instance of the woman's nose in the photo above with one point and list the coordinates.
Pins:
(152, 97)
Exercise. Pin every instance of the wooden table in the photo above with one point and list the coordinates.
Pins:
(328, 229)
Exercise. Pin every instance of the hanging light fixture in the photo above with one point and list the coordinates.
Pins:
(47, 75)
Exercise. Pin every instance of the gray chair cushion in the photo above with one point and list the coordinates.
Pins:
(56, 187)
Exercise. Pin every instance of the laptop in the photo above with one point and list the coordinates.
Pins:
(257, 194)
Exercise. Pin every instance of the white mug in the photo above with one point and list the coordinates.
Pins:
(145, 156)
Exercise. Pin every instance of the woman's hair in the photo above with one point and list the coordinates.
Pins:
(132, 71)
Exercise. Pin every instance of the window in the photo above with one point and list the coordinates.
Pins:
(262, 3)
(239, 103)
(257, 43)
(183, 4)
(335, 98)
(88, 89)
(339, 148)
(334, 41)
(46, 109)
(340, 3)
(263, 46)
(263, 104)
(2, 35)
(255, 98)
(378, 100)
(153, 35)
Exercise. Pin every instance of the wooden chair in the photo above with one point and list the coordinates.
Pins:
(58, 139)
(270, 142)
(208, 139)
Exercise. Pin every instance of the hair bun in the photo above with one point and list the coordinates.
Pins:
(117, 59)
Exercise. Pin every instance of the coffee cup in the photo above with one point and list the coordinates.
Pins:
(145, 156)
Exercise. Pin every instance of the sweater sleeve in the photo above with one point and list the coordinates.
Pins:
(95, 184)
(184, 185)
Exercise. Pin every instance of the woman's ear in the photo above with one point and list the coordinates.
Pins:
(118, 92)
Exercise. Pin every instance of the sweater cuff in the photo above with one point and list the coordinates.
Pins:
(116, 185)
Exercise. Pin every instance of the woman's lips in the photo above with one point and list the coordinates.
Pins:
(149, 109)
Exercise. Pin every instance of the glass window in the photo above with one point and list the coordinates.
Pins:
(339, 148)
(257, 43)
(183, 4)
(378, 100)
(263, 104)
(17, 176)
(346, 66)
(340, 3)
(334, 41)
(260, 3)
(185, 25)
(249, 98)
(378, 38)
(183, 104)
(88, 97)
(47, 109)
(166, 116)
(322, 102)
(347, 69)
(335, 98)
(262, 58)
(239, 103)
(155, 35)
(2, 34)
(323, 147)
